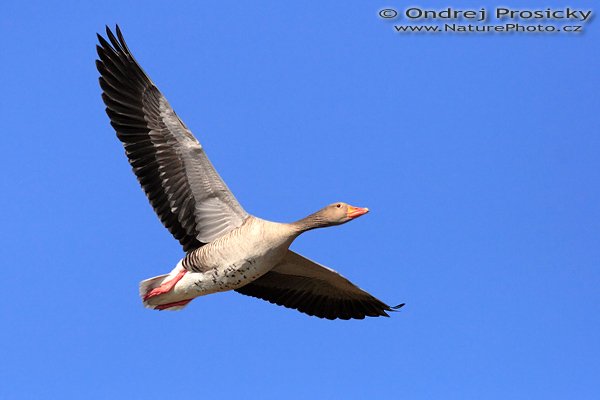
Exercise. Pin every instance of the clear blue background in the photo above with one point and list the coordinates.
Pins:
(478, 156)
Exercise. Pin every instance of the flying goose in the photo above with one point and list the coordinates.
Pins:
(226, 248)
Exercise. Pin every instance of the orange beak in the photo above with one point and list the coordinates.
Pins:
(354, 212)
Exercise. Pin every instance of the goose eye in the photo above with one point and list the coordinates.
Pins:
(339, 205)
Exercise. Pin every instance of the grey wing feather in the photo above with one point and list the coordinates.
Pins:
(313, 289)
(187, 193)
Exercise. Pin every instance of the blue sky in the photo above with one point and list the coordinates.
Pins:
(478, 156)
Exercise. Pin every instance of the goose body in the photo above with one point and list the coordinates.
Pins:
(226, 248)
(233, 260)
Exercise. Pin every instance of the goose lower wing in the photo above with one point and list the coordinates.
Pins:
(313, 289)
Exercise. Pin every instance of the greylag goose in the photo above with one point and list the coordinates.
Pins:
(226, 248)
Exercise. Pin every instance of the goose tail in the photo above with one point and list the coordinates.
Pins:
(157, 293)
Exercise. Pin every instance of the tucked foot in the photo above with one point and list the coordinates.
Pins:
(180, 304)
(165, 287)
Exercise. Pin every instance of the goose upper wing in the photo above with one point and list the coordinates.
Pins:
(313, 289)
(188, 195)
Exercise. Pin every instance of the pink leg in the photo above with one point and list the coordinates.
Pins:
(169, 305)
(166, 286)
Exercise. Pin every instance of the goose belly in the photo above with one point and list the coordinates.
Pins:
(236, 274)
(228, 274)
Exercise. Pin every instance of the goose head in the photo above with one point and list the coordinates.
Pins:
(340, 213)
(333, 214)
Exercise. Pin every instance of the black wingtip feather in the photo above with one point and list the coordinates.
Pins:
(104, 45)
(113, 40)
(122, 40)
